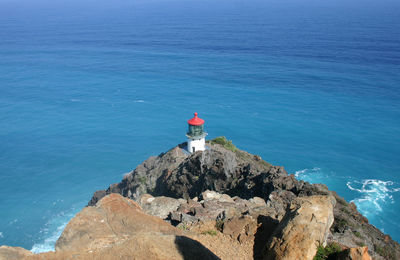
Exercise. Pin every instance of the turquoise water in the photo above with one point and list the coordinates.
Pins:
(88, 90)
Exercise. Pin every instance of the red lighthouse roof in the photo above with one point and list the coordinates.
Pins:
(195, 120)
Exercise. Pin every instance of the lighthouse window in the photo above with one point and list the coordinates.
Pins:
(196, 130)
(194, 149)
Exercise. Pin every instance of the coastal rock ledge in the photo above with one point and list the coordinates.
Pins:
(222, 203)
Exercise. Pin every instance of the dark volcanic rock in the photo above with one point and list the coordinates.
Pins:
(178, 174)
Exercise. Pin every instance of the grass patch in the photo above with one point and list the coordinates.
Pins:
(242, 155)
(209, 232)
(142, 179)
(221, 140)
(183, 226)
(324, 252)
(357, 234)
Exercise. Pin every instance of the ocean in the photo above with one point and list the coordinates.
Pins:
(90, 89)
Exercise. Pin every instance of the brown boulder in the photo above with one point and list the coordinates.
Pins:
(112, 220)
(304, 227)
(240, 228)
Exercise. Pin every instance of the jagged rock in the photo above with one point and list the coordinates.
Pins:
(179, 175)
(305, 226)
(146, 176)
(214, 206)
(240, 228)
(160, 206)
(212, 195)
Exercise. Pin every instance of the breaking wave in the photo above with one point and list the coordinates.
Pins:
(374, 194)
(301, 173)
(49, 243)
(312, 175)
(51, 232)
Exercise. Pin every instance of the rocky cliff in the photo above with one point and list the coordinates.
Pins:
(222, 203)
(227, 170)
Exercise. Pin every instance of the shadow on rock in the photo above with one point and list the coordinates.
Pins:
(267, 225)
(192, 250)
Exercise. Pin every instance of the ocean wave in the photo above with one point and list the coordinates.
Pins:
(139, 101)
(312, 175)
(374, 194)
(1, 235)
(301, 173)
(52, 231)
(49, 243)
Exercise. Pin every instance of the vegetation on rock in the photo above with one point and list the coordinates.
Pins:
(209, 232)
(324, 252)
(225, 143)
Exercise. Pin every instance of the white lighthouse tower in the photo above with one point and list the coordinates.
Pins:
(196, 135)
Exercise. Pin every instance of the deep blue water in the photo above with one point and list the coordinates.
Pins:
(88, 90)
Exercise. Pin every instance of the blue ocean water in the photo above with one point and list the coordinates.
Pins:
(90, 89)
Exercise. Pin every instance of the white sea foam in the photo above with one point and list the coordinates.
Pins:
(301, 174)
(51, 232)
(139, 101)
(1, 235)
(374, 194)
(49, 242)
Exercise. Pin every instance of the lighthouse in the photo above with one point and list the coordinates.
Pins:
(196, 135)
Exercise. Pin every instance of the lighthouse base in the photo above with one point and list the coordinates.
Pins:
(194, 145)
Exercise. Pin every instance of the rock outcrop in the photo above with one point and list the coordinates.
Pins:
(304, 227)
(113, 220)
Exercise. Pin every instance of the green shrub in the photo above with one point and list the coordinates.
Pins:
(142, 179)
(209, 232)
(183, 226)
(357, 234)
(225, 143)
(324, 252)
